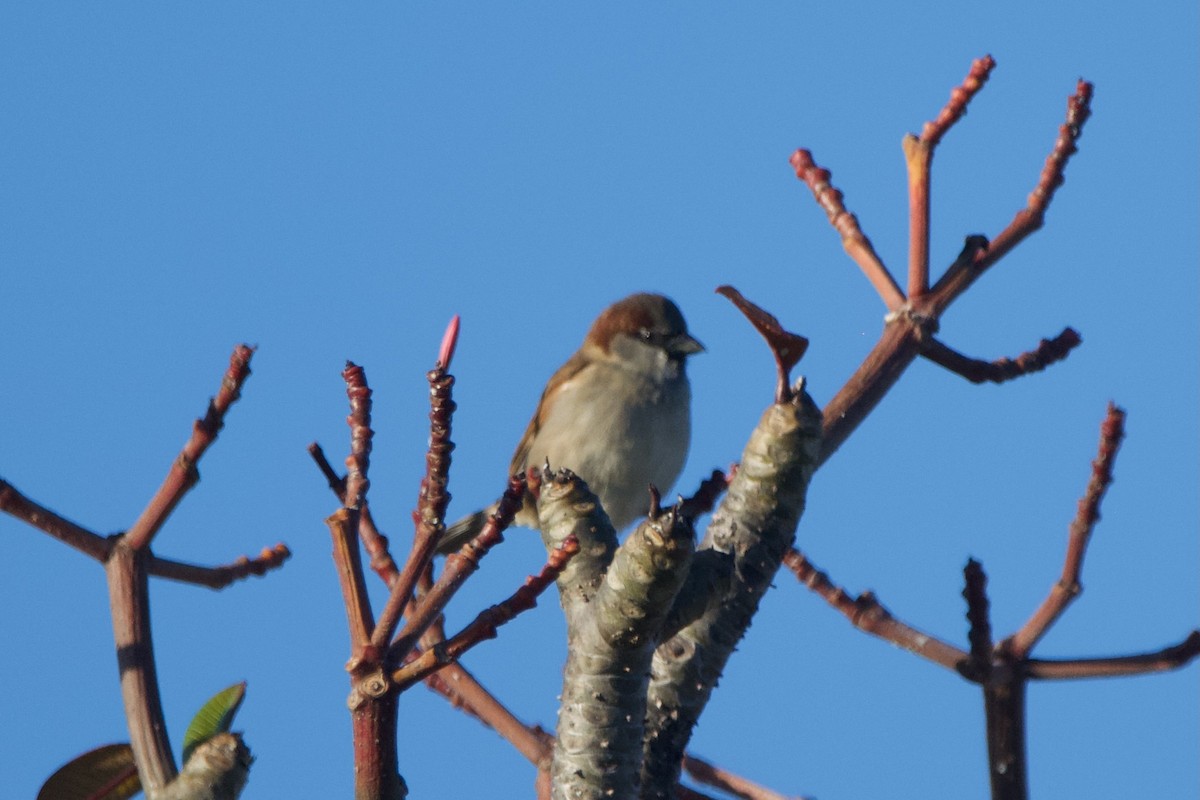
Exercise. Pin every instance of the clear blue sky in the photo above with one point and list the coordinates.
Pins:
(333, 183)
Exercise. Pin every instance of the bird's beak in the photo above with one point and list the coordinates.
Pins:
(684, 345)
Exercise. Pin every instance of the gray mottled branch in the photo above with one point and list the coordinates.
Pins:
(612, 633)
(566, 507)
(217, 770)
(756, 524)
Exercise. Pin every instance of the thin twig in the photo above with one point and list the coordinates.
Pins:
(979, 617)
(69, 533)
(432, 497)
(336, 482)
(347, 559)
(867, 614)
(183, 474)
(222, 575)
(960, 96)
(705, 496)
(1168, 658)
(1048, 351)
(918, 157)
(459, 567)
(854, 240)
(1029, 219)
(484, 625)
(1068, 587)
(373, 540)
(718, 778)
(359, 420)
(465, 693)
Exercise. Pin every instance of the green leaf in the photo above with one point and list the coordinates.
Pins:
(106, 773)
(214, 717)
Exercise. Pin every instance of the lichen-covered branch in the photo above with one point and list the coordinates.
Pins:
(615, 604)
(755, 523)
(567, 508)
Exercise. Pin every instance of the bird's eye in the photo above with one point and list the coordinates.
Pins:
(645, 334)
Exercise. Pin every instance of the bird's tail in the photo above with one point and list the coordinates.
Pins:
(464, 531)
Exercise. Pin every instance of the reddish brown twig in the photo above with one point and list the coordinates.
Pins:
(786, 347)
(736, 785)
(960, 96)
(129, 604)
(1029, 219)
(867, 614)
(1079, 108)
(372, 700)
(1002, 670)
(128, 563)
(359, 461)
(222, 575)
(705, 496)
(1112, 430)
(432, 497)
(466, 694)
(18, 505)
(1168, 658)
(345, 522)
(373, 540)
(846, 224)
(918, 157)
(459, 567)
(347, 560)
(912, 321)
(1048, 351)
(183, 474)
(484, 625)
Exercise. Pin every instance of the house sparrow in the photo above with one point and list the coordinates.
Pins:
(617, 414)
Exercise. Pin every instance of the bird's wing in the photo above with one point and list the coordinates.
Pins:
(565, 373)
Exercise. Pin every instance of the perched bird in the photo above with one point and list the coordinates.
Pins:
(617, 413)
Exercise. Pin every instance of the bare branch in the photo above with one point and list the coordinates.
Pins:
(854, 240)
(359, 420)
(867, 614)
(1112, 430)
(960, 96)
(220, 576)
(429, 517)
(1168, 658)
(347, 559)
(736, 785)
(459, 567)
(183, 473)
(129, 602)
(336, 483)
(373, 540)
(484, 625)
(918, 157)
(1029, 219)
(69, 533)
(979, 616)
(1048, 351)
